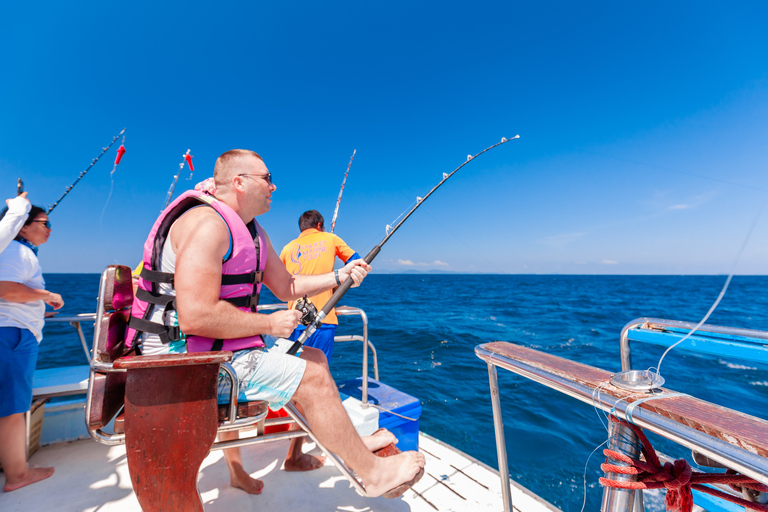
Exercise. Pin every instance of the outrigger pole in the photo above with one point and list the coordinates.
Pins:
(188, 159)
(93, 162)
(346, 285)
(338, 201)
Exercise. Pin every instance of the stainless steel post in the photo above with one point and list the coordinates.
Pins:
(621, 439)
(501, 447)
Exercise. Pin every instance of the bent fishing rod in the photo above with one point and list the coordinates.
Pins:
(338, 201)
(346, 285)
(93, 162)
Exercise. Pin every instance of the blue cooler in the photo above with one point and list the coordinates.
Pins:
(406, 430)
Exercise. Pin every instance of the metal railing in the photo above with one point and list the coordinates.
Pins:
(607, 399)
(75, 321)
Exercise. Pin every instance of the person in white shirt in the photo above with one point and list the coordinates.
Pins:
(14, 218)
(22, 308)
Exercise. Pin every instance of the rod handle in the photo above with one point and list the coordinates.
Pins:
(335, 298)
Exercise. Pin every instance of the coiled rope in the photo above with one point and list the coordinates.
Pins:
(678, 477)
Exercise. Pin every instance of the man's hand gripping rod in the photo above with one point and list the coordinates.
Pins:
(347, 284)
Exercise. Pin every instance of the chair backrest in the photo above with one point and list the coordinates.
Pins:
(106, 389)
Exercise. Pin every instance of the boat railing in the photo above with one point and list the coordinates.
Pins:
(733, 439)
(745, 344)
(76, 322)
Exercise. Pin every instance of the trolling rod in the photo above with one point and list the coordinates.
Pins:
(93, 162)
(346, 285)
(187, 158)
(338, 201)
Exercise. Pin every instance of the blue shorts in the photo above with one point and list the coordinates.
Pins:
(18, 358)
(321, 339)
(264, 375)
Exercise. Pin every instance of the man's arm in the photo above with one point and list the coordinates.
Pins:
(343, 251)
(289, 287)
(200, 239)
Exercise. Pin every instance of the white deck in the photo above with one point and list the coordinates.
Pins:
(90, 476)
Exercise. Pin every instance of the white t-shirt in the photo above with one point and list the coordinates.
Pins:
(19, 264)
(13, 220)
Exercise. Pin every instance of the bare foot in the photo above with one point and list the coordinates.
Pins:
(242, 480)
(391, 472)
(379, 439)
(304, 462)
(31, 476)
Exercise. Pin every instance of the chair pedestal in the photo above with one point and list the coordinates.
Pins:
(170, 426)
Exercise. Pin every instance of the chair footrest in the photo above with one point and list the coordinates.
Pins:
(244, 410)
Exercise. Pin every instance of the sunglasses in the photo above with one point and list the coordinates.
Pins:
(46, 222)
(267, 177)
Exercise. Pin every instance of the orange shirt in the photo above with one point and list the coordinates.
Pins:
(314, 252)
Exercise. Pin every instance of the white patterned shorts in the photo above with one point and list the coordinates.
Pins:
(264, 375)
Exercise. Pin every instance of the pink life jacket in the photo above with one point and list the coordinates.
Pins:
(242, 272)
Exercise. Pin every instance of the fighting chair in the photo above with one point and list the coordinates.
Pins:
(164, 408)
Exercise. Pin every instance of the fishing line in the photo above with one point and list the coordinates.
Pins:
(347, 284)
(120, 153)
(725, 286)
(652, 166)
(584, 503)
(478, 256)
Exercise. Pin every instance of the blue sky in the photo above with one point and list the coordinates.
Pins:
(642, 128)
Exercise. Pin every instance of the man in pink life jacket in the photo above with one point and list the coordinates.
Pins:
(201, 241)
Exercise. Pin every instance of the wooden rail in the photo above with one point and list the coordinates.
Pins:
(747, 433)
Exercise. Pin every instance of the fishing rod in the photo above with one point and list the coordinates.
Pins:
(346, 285)
(93, 162)
(338, 201)
(188, 159)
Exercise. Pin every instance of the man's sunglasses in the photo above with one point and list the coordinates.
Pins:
(267, 177)
(46, 222)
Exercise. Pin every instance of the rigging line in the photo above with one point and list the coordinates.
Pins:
(347, 284)
(93, 162)
(341, 191)
(725, 286)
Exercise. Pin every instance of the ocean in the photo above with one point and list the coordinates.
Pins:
(425, 328)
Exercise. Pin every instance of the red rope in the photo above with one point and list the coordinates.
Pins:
(678, 477)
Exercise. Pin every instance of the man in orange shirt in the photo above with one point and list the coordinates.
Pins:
(314, 252)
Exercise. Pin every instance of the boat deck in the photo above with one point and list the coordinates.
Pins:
(91, 476)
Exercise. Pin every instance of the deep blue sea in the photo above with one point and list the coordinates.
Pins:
(425, 329)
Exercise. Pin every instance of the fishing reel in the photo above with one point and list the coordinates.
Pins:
(308, 310)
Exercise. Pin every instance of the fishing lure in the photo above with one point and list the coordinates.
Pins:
(188, 159)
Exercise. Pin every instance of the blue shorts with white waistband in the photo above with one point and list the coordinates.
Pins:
(18, 358)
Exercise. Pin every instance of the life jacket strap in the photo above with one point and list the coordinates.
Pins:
(156, 277)
(250, 278)
(155, 298)
(248, 301)
(166, 333)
